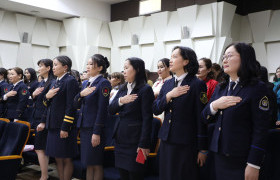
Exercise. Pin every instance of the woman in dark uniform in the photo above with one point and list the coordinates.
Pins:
(31, 79)
(16, 96)
(3, 85)
(183, 135)
(45, 71)
(31, 83)
(132, 131)
(62, 136)
(93, 102)
(240, 107)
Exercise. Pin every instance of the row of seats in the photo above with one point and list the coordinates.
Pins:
(110, 172)
(13, 137)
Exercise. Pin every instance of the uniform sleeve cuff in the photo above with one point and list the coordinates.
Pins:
(253, 166)
(213, 112)
(120, 104)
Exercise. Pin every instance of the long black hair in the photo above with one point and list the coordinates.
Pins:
(249, 67)
(47, 63)
(33, 75)
(188, 54)
(140, 76)
(100, 60)
(4, 73)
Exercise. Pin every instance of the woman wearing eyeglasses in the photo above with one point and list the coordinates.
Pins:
(240, 107)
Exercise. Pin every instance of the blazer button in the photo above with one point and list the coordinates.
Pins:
(171, 100)
(169, 121)
(221, 113)
(170, 110)
(208, 117)
(220, 128)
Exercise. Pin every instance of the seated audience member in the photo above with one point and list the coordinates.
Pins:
(276, 89)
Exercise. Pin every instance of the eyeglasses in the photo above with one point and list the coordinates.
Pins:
(227, 56)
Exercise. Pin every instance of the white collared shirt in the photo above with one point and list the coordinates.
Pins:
(61, 76)
(92, 79)
(236, 82)
(130, 87)
(17, 83)
(180, 78)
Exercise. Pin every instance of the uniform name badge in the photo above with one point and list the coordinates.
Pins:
(105, 91)
(264, 104)
(203, 97)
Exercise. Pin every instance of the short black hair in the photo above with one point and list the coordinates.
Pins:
(189, 54)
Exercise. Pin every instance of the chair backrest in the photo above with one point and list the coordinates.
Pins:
(154, 135)
(14, 138)
(3, 123)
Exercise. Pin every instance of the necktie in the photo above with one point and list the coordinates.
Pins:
(176, 83)
(57, 83)
(88, 83)
(231, 85)
(43, 83)
(12, 87)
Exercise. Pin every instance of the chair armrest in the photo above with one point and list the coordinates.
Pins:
(10, 157)
(109, 148)
(152, 155)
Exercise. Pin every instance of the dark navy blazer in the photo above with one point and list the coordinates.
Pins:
(39, 107)
(16, 105)
(182, 120)
(3, 86)
(135, 123)
(94, 107)
(241, 130)
(61, 112)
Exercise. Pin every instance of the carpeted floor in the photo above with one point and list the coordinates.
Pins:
(32, 172)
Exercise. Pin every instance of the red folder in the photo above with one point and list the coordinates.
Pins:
(140, 157)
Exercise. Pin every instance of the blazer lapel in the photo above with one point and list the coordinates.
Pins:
(237, 89)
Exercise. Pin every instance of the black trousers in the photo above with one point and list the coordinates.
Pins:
(128, 175)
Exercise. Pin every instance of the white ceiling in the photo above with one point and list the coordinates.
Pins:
(47, 13)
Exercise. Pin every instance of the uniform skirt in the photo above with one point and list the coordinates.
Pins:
(90, 155)
(177, 162)
(229, 168)
(40, 139)
(125, 158)
(61, 147)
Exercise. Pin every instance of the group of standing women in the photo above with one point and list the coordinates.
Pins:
(239, 107)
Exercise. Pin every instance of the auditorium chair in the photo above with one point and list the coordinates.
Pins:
(12, 143)
(3, 123)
